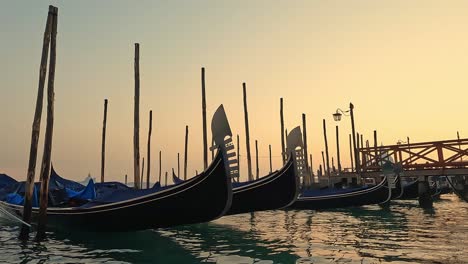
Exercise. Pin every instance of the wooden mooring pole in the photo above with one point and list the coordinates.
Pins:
(165, 181)
(103, 145)
(148, 170)
(256, 160)
(142, 172)
(160, 167)
(36, 127)
(136, 120)
(178, 165)
(271, 167)
(46, 157)
(205, 140)
(247, 134)
(283, 147)
(186, 150)
(326, 150)
(338, 160)
(351, 153)
(376, 153)
(126, 176)
(307, 180)
(238, 156)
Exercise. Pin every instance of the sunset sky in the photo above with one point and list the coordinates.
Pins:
(402, 63)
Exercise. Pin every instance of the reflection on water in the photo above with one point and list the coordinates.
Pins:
(402, 233)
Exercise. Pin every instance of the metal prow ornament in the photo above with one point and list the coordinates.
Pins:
(222, 140)
(295, 147)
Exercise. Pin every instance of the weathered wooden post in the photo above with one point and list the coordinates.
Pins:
(338, 160)
(355, 146)
(160, 167)
(36, 127)
(238, 157)
(185, 155)
(304, 135)
(323, 167)
(326, 149)
(283, 147)
(358, 156)
(271, 167)
(46, 157)
(148, 170)
(376, 152)
(256, 160)
(142, 172)
(333, 164)
(424, 193)
(247, 134)
(103, 146)
(165, 181)
(312, 178)
(205, 140)
(136, 120)
(351, 153)
(178, 165)
(125, 179)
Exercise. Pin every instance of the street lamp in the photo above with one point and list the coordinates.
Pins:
(337, 117)
(339, 113)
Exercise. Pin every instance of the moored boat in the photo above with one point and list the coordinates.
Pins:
(203, 198)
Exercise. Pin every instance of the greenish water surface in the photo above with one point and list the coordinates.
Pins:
(402, 233)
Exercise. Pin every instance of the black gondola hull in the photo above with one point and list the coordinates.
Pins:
(374, 195)
(274, 191)
(200, 199)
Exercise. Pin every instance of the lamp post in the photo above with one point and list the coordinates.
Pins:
(337, 117)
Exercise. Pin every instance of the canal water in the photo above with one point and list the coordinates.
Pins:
(401, 233)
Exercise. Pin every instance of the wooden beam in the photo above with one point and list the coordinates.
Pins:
(103, 145)
(36, 127)
(46, 157)
(136, 120)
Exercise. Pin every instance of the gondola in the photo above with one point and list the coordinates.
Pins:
(203, 198)
(276, 190)
(329, 199)
(459, 186)
(411, 190)
(273, 191)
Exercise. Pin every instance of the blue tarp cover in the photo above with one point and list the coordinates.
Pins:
(88, 193)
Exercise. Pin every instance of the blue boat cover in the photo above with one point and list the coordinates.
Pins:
(124, 195)
(6, 180)
(176, 179)
(18, 199)
(88, 193)
(57, 182)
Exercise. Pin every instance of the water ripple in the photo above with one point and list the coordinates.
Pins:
(402, 233)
